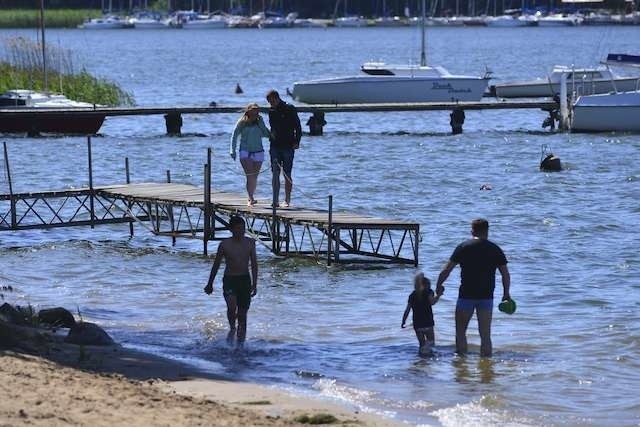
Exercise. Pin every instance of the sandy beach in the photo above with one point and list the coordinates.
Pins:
(45, 381)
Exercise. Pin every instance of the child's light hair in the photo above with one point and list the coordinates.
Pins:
(418, 280)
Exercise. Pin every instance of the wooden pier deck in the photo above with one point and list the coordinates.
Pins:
(36, 118)
(487, 104)
(181, 210)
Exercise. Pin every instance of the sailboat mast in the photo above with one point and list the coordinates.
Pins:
(423, 55)
(44, 49)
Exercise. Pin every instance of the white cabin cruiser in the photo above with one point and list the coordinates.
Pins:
(617, 111)
(580, 80)
(106, 23)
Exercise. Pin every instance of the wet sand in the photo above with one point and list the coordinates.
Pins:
(45, 381)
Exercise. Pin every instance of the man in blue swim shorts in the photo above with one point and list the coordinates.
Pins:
(478, 258)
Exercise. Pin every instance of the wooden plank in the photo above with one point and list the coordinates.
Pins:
(172, 193)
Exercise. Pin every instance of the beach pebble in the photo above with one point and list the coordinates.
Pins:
(85, 333)
(57, 316)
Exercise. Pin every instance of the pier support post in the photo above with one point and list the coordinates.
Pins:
(457, 120)
(14, 216)
(208, 214)
(316, 123)
(128, 179)
(91, 192)
(564, 108)
(330, 230)
(170, 213)
(207, 201)
(173, 123)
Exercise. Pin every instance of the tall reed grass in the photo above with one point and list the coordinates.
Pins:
(21, 68)
(53, 18)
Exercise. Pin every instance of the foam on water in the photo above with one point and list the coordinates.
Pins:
(481, 413)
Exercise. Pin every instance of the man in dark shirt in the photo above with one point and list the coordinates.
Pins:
(478, 258)
(286, 133)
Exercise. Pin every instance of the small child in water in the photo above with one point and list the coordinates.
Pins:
(420, 302)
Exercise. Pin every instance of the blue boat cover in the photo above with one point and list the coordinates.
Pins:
(623, 59)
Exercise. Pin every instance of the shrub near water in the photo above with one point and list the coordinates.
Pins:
(21, 68)
(53, 18)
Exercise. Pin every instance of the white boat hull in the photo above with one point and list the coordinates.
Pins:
(541, 88)
(149, 25)
(389, 89)
(209, 24)
(613, 112)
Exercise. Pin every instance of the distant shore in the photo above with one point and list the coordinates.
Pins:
(49, 382)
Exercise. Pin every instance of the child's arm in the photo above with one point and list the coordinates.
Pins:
(433, 299)
(405, 315)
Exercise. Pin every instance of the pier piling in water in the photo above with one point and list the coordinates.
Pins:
(173, 123)
(457, 120)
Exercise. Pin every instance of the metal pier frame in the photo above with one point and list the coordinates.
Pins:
(186, 211)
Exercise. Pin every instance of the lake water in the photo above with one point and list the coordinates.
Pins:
(569, 356)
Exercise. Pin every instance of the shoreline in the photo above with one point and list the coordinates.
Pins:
(47, 381)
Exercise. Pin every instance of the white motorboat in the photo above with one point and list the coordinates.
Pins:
(351, 21)
(276, 22)
(309, 23)
(204, 23)
(580, 80)
(510, 21)
(617, 111)
(191, 20)
(607, 112)
(559, 20)
(24, 101)
(106, 23)
(383, 83)
(148, 22)
(390, 21)
(440, 86)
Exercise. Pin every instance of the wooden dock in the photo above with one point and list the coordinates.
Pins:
(323, 108)
(173, 114)
(182, 211)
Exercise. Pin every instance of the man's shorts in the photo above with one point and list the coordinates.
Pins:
(281, 158)
(240, 287)
(469, 305)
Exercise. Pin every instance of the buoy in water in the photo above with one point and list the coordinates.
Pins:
(551, 163)
(238, 89)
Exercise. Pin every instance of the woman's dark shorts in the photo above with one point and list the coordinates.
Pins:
(240, 287)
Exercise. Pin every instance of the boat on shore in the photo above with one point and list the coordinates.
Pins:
(23, 111)
(384, 83)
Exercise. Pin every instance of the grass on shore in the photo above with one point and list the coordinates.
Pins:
(21, 68)
(53, 18)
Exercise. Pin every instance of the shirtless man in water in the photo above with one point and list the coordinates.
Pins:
(237, 285)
